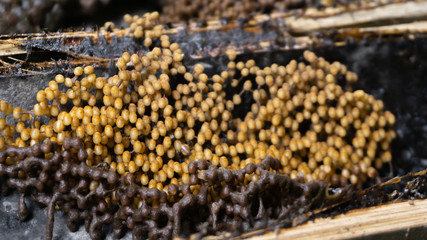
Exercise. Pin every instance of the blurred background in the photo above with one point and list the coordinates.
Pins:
(24, 16)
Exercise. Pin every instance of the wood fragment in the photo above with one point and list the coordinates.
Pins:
(358, 223)
(293, 30)
(389, 13)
